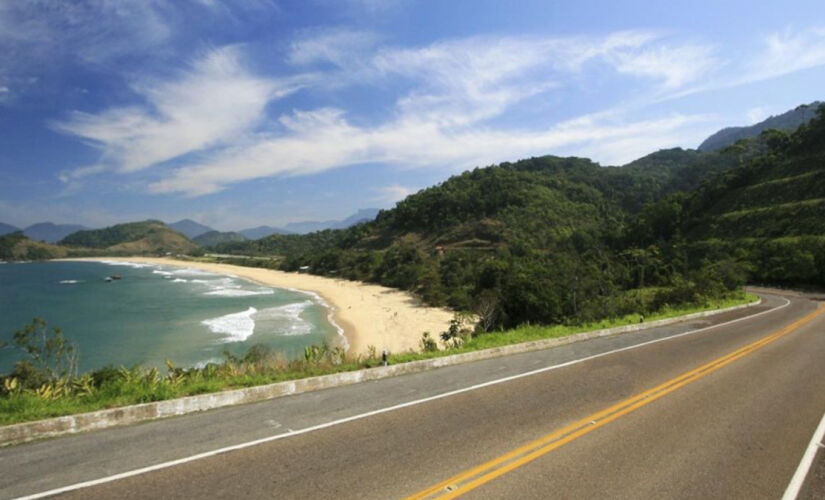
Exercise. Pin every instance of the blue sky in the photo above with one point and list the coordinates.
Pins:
(266, 112)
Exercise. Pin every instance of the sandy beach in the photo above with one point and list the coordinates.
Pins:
(370, 315)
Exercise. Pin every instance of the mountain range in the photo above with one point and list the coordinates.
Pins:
(193, 230)
(363, 215)
(212, 238)
(189, 228)
(7, 228)
(44, 231)
(255, 233)
(787, 121)
(51, 233)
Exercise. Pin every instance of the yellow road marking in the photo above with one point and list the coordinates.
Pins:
(486, 472)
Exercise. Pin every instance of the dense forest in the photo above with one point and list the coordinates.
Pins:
(561, 240)
(555, 240)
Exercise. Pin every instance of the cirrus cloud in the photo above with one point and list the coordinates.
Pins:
(218, 120)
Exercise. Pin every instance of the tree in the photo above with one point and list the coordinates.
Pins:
(49, 355)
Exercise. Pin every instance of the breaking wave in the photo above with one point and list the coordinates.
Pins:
(235, 327)
(285, 320)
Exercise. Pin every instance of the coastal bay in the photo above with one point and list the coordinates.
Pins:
(369, 315)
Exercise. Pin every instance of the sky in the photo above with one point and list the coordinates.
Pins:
(237, 114)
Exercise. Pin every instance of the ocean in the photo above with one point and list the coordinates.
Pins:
(154, 313)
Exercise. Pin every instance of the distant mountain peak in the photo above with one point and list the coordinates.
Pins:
(362, 215)
(212, 238)
(51, 232)
(190, 228)
(788, 121)
(256, 233)
(7, 228)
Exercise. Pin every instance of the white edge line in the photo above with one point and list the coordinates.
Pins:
(249, 444)
(801, 473)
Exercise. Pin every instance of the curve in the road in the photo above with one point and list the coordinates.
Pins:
(486, 472)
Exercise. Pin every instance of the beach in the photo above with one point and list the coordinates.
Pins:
(369, 315)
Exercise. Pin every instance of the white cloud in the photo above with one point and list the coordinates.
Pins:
(780, 54)
(94, 31)
(338, 46)
(324, 140)
(786, 53)
(675, 66)
(757, 114)
(214, 102)
(442, 122)
(455, 90)
(393, 193)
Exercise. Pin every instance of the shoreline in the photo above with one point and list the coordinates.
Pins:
(364, 314)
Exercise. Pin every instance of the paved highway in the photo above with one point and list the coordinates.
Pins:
(724, 412)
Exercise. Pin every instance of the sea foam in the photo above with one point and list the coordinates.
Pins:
(287, 319)
(236, 327)
(330, 314)
(135, 265)
(69, 282)
(188, 271)
(237, 292)
(230, 287)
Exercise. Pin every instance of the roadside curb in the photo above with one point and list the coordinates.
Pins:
(126, 415)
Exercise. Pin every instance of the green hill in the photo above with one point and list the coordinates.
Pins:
(555, 240)
(538, 240)
(212, 238)
(147, 237)
(16, 246)
(788, 122)
(769, 213)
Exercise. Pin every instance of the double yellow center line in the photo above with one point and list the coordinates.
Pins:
(486, 472)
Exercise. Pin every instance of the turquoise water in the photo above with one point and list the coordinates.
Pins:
(156, 313)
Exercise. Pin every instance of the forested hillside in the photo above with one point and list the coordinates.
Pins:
(212, 238)
(17, 246)
(539, 240)
(147, 237)
(555, 240)
(769, 214)
(787, 122)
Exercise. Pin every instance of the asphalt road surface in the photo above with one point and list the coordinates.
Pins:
(724, 412)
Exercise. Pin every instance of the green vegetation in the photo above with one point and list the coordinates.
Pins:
(16, 246)
(134, 238)
(113, 235)
(529, 333)
(542, 240)
(43, 383)
(563, 241)
(768, 215)
(787, 121)
(212, 238)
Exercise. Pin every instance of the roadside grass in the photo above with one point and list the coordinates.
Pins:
(528, 333)
(115, 387)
